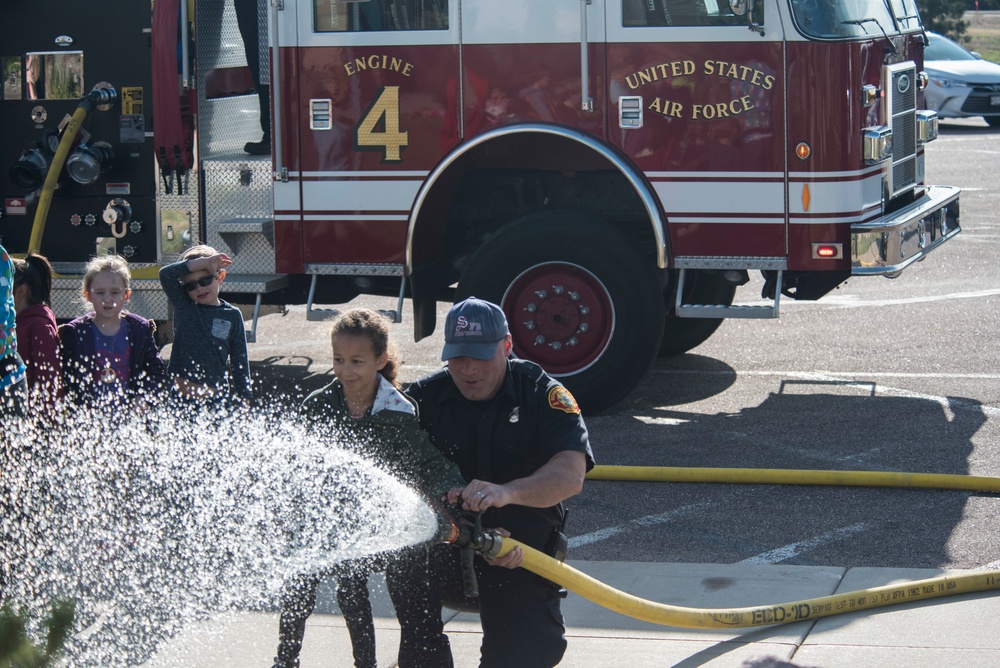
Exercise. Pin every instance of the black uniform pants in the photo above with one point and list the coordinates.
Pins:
(247, 20)
(299, 599)
(519, 611)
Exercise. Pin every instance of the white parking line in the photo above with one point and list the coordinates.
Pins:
(948, 404)
(853, 301)
(777, 555)
(646, 521)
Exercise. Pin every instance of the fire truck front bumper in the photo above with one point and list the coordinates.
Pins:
(888, 245)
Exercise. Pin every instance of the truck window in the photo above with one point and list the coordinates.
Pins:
(654, 13)
(849, 19)
(369, 15)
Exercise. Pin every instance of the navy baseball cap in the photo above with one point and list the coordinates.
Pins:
(473, 329)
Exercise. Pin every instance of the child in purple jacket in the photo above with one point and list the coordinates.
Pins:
(110, 353)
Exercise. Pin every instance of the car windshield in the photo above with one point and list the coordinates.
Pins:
(941, 48)
(850, 19)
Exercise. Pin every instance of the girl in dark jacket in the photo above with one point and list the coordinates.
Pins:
(37, 334)
(109, 353)
(365, 403)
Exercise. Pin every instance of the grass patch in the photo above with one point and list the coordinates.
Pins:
(984, 34)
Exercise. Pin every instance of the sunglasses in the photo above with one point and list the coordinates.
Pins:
(202, 282)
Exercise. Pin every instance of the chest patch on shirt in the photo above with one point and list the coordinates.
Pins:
(221, 328)
(561, 399)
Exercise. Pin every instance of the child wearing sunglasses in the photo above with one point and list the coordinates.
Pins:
(209, 359)
(109, 353)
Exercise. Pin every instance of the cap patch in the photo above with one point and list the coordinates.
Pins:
(561, 399)
(464, 327)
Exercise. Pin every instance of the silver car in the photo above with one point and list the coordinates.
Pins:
(961, 83)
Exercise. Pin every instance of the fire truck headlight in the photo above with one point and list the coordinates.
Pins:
(869, 95)
(927, 126)
(922, 80)
(877, 144)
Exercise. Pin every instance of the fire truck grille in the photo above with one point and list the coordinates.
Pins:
(903, 86)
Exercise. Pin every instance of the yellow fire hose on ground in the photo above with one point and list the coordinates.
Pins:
(968, 483)
(494, 545)
(763, 615)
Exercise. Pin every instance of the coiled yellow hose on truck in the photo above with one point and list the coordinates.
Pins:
(969, 483)
(763, 615)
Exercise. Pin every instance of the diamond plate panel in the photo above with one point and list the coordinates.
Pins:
(225, 124)
(239, 212)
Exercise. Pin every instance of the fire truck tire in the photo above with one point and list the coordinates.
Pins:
(683, 334)
(580, 301)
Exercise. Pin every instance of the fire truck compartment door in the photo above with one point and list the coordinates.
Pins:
(377, 104)
(527, 60)
(696, 101)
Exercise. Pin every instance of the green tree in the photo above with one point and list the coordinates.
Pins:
(944, 17)
(17, 650)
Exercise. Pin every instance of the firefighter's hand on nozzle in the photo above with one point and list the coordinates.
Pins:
(477, 496)
(512, 559)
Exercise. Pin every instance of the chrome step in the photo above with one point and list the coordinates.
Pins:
(721, 311)
(319, 314)
(260, 284)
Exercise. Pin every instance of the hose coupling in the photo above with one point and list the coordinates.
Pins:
(101, 97)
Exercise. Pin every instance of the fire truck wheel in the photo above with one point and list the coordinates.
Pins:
(580, 300)
(682, 334)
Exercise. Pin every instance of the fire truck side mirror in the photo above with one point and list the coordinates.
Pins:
(741, 7)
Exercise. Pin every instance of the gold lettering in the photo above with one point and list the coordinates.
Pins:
(378, 62)
(667, 108)
(768, 82)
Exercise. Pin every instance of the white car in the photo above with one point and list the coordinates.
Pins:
(962, 84)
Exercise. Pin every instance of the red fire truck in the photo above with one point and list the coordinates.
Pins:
(610, 171)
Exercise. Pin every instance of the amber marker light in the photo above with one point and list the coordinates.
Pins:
(803, 151)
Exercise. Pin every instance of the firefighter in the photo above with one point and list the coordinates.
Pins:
(518, 437)
(247, 18)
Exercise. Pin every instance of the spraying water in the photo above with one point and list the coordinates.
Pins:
(166, 516)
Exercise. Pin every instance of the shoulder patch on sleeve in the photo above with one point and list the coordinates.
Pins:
(560, 398)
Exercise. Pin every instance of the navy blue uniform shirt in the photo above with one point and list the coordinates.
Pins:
(508, 437)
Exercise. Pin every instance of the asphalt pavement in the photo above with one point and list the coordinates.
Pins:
(962, 630)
